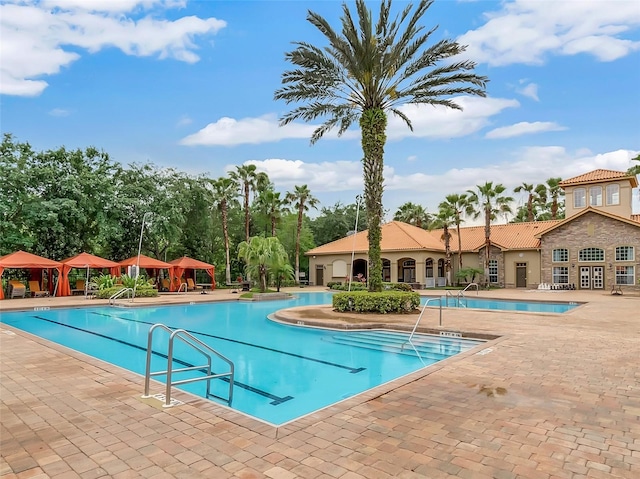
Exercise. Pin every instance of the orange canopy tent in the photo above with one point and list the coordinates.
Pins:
(185, 263)
(24, 260)
(149, 263)
(84, 260)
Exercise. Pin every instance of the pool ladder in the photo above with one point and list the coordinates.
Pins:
(196, 345)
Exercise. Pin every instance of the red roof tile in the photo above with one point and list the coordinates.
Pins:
(599, 176)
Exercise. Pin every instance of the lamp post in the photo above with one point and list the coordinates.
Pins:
(355, 232)
(135, 284)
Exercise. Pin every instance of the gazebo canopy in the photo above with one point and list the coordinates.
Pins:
(84, 260)
(24, 260)
(185, 263)
(150, 263)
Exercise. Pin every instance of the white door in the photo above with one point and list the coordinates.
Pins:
(585, 277)
(598, 277)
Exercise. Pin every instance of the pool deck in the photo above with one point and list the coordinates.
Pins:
(555, 396)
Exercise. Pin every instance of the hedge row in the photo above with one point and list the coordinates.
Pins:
(144, 292)
(394, 302)
(357, 286)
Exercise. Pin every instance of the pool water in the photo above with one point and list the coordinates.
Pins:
(500, 304)
(282, 372)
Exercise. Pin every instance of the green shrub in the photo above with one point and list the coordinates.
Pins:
(145, 291)
(394, 302)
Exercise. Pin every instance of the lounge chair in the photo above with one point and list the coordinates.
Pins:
(165, 284)
(36, 292)
(16, 289)
(191, 286)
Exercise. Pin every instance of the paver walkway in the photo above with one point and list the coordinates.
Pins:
(556, 396)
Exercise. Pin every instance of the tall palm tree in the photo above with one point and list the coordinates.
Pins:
(366, 72)
(532, 198)
(413, 214)
(272, 205)
(554, 191)
(249, 179)
(445, 218)
(225, 190)
(459, 204)
(488, 200)
(301, 199)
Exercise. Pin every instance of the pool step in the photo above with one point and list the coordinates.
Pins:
(426, 347)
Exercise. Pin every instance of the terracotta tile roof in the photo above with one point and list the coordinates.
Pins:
(395, 236)
(506, 236)
(398, 236)
(599, 176)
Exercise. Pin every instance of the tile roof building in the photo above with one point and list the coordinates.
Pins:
(596, 246)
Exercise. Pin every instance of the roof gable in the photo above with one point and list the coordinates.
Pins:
(600, 212)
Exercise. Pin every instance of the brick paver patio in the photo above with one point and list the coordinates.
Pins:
(556, 396)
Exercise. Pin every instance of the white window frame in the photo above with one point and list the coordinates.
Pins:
(587, 255)
(625, 275)
(560, 275)
(493, 271)
(625, 253)
(613, 195)
(580, 198)
(562, 255)
(595, 196)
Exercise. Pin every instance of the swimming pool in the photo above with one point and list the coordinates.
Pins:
(282, 372)
(501, 304)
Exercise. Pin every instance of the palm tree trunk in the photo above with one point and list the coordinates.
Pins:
(373, 125)
(487, 245)
(246, 211)
(298, 232)
(447, 249)
(554, 209)
(530, 209)
(225, 232)
(459, 246)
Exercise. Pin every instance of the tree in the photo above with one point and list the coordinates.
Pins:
(262, 255)
(635, 169)
(532, 198)
(488, 201)
(459, 204)
(270, 202)
(554, 191)
(248, 179)
(224, 195)
(366, 72)
(335, 222)
(444, 219)
(301, 199)
(414, 215)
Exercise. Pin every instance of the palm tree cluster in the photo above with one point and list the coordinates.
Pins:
(542, 201)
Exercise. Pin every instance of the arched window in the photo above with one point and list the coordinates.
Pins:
(591, 254)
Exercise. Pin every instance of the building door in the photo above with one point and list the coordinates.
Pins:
(598, 277)
(319, 275)
(591, 277)
(585, 277)
(521, 275)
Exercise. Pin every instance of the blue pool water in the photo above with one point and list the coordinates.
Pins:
(503, 305)
(282, 372)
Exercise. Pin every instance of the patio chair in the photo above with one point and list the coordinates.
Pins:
(191, 286)
(36, 292)
(165, 284)
(16, 289)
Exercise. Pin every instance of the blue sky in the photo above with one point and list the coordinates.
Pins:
(190, 84)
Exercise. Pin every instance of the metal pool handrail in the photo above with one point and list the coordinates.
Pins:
(119, 293)
(422, 312)
(198, 346)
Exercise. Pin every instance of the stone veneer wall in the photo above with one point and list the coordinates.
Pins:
(495, 253)
(591, 231)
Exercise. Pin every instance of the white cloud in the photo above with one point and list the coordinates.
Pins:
(59, 112)
(184, 120)
(530, 90)
(37, 40)
(427, 121)
(526, 31)
(523, 128)
(228, 132)
(412, 158)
